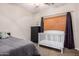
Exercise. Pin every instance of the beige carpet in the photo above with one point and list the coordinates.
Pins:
(44, 51)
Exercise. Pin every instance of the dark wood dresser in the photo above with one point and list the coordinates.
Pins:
(34, 33)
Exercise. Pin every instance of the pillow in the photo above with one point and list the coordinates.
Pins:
(4, 35)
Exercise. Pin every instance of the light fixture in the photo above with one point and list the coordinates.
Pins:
(38, 4)
(49, 3)
(41, 4)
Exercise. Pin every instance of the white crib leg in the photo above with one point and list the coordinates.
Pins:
(61, 50)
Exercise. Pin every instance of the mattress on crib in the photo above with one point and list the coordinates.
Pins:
(51, 44)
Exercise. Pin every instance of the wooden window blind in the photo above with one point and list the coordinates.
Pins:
(55, 23)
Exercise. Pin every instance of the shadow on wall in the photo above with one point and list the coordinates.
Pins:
(16, 20)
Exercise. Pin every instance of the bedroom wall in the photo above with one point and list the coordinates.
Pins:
(15, 19)
(73, 8)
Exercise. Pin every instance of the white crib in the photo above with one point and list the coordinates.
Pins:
(54, 39)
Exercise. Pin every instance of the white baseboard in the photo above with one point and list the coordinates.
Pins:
(77, 49)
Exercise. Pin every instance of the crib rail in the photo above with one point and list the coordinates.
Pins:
(52, 39)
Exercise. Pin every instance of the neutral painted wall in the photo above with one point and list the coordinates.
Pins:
(15, 19)
(73, 8)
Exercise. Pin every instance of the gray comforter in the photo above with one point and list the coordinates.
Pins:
(17, 47)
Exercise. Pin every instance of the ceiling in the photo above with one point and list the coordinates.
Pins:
(36, 7)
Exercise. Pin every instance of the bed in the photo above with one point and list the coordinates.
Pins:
(12, 46)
